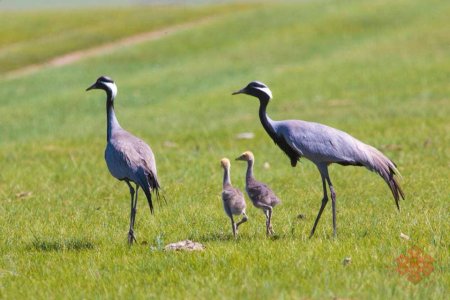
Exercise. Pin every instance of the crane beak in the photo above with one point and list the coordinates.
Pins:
(94, 86)
(241, 91)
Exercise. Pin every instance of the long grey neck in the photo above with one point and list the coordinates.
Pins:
(226, 176)
(249, 174)
(111, 121)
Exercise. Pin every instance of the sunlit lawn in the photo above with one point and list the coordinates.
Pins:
(377, 70)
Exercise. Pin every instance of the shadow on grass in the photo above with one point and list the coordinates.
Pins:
(228, 237)
(215, 237)
(71, 244)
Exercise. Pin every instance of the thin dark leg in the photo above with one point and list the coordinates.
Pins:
(333, 205)
(268, 213)
(270, 222)
(131, 237)
(267, 220)
(134, 209)
(324, 203)
(233, 226)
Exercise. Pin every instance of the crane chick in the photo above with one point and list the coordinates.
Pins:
(261, 195)
(233, 199)
(128, 158)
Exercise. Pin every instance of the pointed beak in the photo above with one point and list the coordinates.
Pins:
(94, 86)
(240, 157)
(241, 91)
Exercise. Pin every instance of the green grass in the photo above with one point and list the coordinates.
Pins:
(28, 37)
(378, 70)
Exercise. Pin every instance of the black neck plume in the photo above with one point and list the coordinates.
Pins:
(264, 119)
(293, 155)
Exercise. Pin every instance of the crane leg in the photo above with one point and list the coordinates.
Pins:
(268, 213)
(243, 220)
(133, 193)
(271, 232)
(233, 226)
(135, 205)
(333, 205)
(324, 203)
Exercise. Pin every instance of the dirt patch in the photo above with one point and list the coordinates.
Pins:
(75, 56)
(186, 245)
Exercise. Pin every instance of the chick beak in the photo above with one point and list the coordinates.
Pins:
(240, 157)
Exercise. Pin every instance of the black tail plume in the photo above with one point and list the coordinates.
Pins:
(378, 162)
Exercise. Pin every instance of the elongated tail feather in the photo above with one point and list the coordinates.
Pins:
(149, 184)
(155, 187)
(148, 194)
(376, 161)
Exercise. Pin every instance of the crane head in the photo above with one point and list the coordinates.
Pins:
(104, 83)
(225, 163)
(246, 156)
(256, 89)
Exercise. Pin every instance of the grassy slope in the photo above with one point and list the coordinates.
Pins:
(28, 37)
(377, 70)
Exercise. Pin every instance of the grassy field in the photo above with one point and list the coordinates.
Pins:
(378, 70)
(31, 37)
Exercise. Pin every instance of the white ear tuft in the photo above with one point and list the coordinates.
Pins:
(112, 87)
(266, 91)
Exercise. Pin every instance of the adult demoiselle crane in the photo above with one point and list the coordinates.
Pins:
(323, 145)
(261, 195)
(128, 158)
(232, 198)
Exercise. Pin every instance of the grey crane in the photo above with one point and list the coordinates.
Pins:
(128, 158)
(261, 195)
(232, 198)
(323, 145)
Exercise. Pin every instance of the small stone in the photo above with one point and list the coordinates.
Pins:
(404, 236)
(347, 261)
(245, 136)
(266, 165)
(23, 194)
(185, 245)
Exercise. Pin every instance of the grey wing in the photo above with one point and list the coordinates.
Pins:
(148, 164)
(233, 201)
(147, 157)
(260, 193)
(132, 158)
(321, 143)
(226, 204)
(324, 145)
(118, 161)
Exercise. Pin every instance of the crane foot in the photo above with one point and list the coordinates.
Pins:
(131, 237)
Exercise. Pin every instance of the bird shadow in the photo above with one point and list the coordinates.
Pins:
(52, 245)
(228, 237)
(217, 237)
